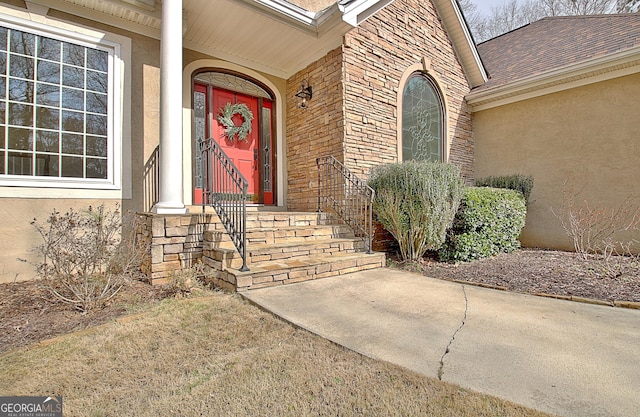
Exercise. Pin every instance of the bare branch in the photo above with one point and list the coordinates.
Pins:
(512, 14)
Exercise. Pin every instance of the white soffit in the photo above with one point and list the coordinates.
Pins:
(604, 68)
(272, 36)
(241, 33)
(119, 13)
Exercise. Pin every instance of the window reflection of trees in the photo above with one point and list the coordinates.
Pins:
(422, 120)
(53, 107)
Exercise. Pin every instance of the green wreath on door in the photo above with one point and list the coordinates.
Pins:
(226, 120)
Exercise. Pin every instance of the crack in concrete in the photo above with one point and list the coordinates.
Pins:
(446, 351)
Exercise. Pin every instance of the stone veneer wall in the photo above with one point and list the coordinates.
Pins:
(354, 111)
(315, 131)
(376, 55)
(175, 242)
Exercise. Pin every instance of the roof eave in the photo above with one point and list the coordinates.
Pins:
(285, 12)
(351, 12)
(462, 40)
(575, 75)
(355, 12)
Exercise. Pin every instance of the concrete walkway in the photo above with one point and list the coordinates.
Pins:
(562, 357)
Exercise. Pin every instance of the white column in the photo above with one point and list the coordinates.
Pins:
(170, 192)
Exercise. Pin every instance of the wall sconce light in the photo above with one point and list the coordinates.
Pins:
(305, 94)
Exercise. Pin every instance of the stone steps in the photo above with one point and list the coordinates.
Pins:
(279, 219)
(284, 248)
(228, 257)
(274, 236)
(287, 271)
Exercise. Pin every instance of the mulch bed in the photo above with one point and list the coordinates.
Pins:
(535, 271)
(28, 315)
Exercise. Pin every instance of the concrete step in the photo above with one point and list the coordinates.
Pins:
(288, 271)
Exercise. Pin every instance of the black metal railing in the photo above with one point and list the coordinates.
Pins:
(151, 177)
(225, 189)
(350, 198)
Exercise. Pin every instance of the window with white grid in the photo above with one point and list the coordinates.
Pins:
(56, 104)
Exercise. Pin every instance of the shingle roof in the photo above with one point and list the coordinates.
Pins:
(555, 42)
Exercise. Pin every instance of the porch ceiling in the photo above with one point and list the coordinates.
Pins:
(273, 36)
(249, 34)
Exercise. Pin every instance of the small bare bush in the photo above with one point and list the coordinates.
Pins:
(593, 230)
(86, 256)
(192, 280)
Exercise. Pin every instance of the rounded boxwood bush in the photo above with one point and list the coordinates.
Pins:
(488, 222)
(517, 182)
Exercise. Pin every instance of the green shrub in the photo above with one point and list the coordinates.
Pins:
(512, 182)
(488, 222)
(416, 202)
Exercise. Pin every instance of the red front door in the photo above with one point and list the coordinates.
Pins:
(250, 156)
(243, 153)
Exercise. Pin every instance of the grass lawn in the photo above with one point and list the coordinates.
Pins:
(220, 356)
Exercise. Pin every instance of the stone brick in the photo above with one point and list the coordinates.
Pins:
(161, 274)
(278, 234)
(167, 266)
(300, 273)
(176, 248)
(370, 260)
(243, 281)
(211, 263)
(177, 231)
(338, 265)
(265, 285)
(280, 277)
(326, 275)
(262, 278)
(226, 286)
(172, 221)
(157, 253)
(304, 233)
(299, 279)
(260, 258)
(192, 220)
(168, 240)
(351, 270)
(276, 256)
(192, 245)
(157, 226)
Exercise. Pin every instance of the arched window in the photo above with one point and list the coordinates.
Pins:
(422, 120)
